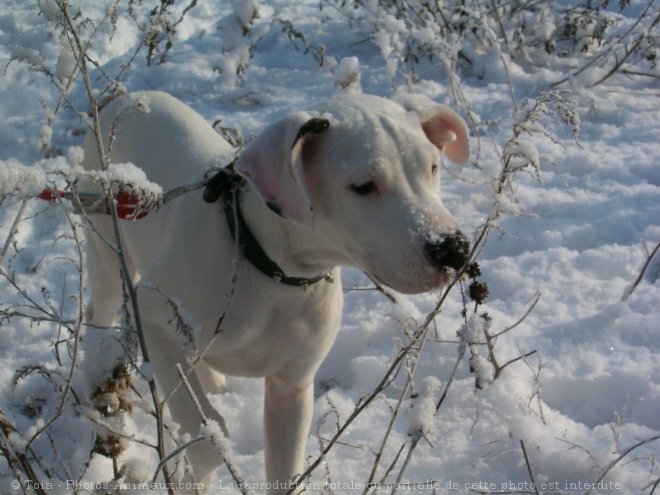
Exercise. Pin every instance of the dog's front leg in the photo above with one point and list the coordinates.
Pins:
(287, 415)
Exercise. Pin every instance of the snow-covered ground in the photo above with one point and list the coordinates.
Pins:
(584, 405)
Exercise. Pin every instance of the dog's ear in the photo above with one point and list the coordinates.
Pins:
(448, 132)
(445, 128)
(273, 163)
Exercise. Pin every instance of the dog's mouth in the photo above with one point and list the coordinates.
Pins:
(430, 280)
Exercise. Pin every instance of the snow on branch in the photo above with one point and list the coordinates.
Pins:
(19, 179)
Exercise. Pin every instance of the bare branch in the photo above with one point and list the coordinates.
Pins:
(529, 467)
(222, 450)
(535, 301)
(76, 339)
(625, 453)
(628, 292)
(12, 230)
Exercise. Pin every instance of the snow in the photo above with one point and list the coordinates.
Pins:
(347, 74)
(128, 173)
(576, 225)
(17, 178)
(422, 409)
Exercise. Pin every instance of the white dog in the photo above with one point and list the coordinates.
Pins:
(354, 182)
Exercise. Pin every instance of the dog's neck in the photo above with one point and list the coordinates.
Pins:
(298, 250)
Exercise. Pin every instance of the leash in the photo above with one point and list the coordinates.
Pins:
(129, 204)
(227, 184)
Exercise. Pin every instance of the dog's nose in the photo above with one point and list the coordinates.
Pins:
(451, 251)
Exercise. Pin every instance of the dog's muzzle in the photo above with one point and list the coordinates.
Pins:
(451, 251)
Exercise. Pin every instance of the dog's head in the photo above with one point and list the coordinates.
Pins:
(364, 173)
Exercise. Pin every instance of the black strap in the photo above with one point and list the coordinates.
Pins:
(227, 184)
(224, 183)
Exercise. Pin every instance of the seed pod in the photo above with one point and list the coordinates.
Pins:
(478, 291)
(473, 269)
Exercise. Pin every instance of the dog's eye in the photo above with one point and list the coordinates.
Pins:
(434, 170)
(364, 189)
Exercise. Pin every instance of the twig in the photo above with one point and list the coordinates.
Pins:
(449, 382)
(174, 453)
(81, 59)
(529, 468)
(12, 230)
(84, 413)
(637, 281)
(386, 436)
(48, 316)
(80, 54)
(626, 55)
(133, 299)
(537, 296)
(221, 449)
(406, 461)
(606, 52)
(361, 406)
(490, 342)
(420, 338)
(625, 453)
(502, 183)
(76, 339)
(393, 463)
(6, 428)
(415, 439)
(58, 456)
(16, 459)
(579, 447)
(381, 289)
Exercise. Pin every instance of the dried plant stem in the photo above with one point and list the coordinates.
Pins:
(386, 436)
(361, 406)
(481, 236)
(13, 229)
(221, 450)
(452, 375)
(406, 461)
(625, 453)
(654, 486)
(76, 338)
(529, 467)
(422, 335)
(135, 307)
(17, 461)
(80, 55)
(81, 59)
(114, 432)
(603, 54)
(642, 272)
(174, 453)
(531, 307)
(393, 463)
(416, 345)
(416, 351)
(381, 289)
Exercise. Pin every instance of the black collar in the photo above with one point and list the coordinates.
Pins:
(227, 184)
